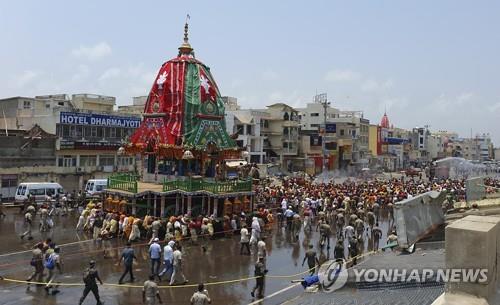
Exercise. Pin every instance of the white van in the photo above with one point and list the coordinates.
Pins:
(95, 186)
(39, 190)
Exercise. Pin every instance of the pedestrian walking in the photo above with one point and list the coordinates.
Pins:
(244, 239)
(155, 257)
(260, 273)
(376, 235)
(128, 256)
(312, 260)
(256, 230)
(178, 274)
(44, 216)
(353, 250)
(90, 275)
(325, 232)
(53, 263)
(2, 214)
(28, 221)
(262, 251)
(201, 297)
(155, 228)
(97, 227)
(37, 264)
(150, 292)
(338, 252)
(168, 258)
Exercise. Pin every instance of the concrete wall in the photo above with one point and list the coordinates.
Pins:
(416, 216)
(475, 189)
(474, 242)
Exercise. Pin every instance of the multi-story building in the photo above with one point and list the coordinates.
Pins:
(312, 135)
(137, 106)
(88, 134)
(388, 145)
(248, 125)
(281, 128)
(345, 138)
(484, 146)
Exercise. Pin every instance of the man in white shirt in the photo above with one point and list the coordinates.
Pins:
(168, 259)
(262, 251)
(177, 264)
(255, 231)
(349, 232)
(244, 240)
(284, 205)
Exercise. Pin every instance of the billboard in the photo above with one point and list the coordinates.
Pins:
(87, 145)
(315, 140)
(331, 128)
(91, 119)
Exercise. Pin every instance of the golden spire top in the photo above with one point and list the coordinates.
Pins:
(186, 48)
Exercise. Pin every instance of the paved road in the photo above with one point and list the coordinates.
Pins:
(221, 262)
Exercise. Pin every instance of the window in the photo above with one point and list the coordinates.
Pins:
(37, 192)
(50, 192)
(314, 114)
(239, 129)
(9, 182)
(72, 131)
(100, 132)
(106, 160)
(93, 131)
(66, 161)
(421, 140)
(342, 132)
(47, 105)
(112, 132)
(88, 160)
(119, 132)
(86, 132)
(314, 125)
(26, 105)
(249, 129)
(125, 161)
(65, 131)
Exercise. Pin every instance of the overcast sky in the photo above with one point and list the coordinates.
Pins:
(426, 62)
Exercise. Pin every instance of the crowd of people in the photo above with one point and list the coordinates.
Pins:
(346, 213)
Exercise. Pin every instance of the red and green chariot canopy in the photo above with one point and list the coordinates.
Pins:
(184, 110)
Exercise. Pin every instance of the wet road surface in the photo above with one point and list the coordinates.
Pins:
(220, 262)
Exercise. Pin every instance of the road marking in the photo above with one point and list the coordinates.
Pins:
(61, 245)
(275, 294)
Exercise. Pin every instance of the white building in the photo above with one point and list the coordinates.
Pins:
(248, 124)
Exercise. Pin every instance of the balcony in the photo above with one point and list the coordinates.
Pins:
(290, 123)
